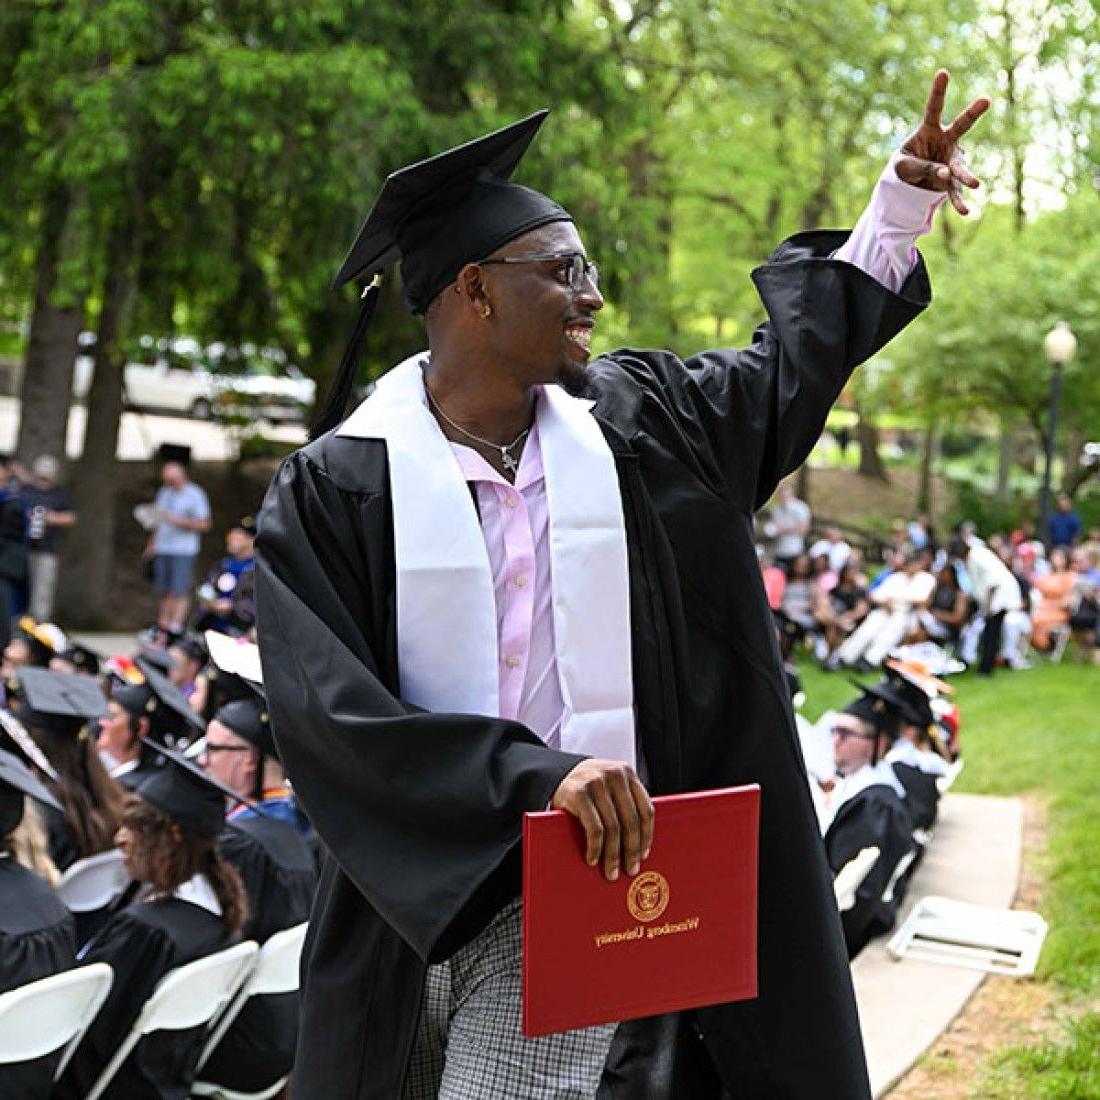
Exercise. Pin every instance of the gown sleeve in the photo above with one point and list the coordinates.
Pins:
(749, 417)
(418, 809)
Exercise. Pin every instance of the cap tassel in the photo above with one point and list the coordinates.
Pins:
(344, 379)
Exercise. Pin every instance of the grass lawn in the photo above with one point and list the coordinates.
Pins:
(1037, 733)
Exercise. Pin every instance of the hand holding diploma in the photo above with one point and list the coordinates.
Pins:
(608, 799)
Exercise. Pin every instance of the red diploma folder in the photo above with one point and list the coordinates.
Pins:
(680, 934)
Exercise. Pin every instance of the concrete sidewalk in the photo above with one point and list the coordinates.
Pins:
(904, 1006)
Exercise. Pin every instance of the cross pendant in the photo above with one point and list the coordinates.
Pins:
(507, 461)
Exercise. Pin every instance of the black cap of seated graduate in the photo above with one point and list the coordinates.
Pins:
(17, 781)
(163, 702)
(245, 713)
(64, 702)
(435, 217)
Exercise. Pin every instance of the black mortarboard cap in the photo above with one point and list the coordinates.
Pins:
(17, 780)
(248, 718)
(878, 705)
(83, 659)
(65, 701)
(155, 656)
(171, 705)
(184, 794)
(436, 216)
(247, 524)
(914, 705)
(182, 791)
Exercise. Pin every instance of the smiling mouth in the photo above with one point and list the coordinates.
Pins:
(580, 336)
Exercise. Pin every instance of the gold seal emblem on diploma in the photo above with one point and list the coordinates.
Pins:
(647, 897)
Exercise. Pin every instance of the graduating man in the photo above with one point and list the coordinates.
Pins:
(482, 596)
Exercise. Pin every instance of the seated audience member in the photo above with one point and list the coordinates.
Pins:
(896, 604)
(898, 547)
(798, 594)
(920, 532)
(942, 621)
(36, 930)
(994, 590)
(1084, 615)
(188, 658)
(840, 610)
(57, 709)
(833, 545)
(262, 840)
(1055, 590)
(866, 808)
(912, 756)
(226, 598)
(775, 580)
(190, 904)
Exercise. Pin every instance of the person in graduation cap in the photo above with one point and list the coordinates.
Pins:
(867, 808)
(188, 658)
(913, 756)
(58, 710)
(191, 904)
(516, 578)
(34, 645)
(36, 930)
(139, 715)
(262, 840)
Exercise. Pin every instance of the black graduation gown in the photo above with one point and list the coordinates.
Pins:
(876, 816)
(37, 940)
(279, 875)
(422, 812)
(922, 795)
(142, 943)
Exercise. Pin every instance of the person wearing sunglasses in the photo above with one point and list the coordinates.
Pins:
(521, 575)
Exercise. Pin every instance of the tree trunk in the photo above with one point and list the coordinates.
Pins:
(86, 590)
(928, 457)
(802, 482)
(46, 390)
(870, 461)
(1006, 456)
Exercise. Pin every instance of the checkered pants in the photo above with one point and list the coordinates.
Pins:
(469, 1045)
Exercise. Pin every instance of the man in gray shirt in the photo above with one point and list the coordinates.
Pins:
(183, 513)
(789, 524)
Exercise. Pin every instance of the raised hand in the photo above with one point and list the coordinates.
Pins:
(931, 157)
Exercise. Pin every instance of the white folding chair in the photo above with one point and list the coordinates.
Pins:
(275, 971)
(91, 883)
(850, 877)
(945, 782)
(186, 997)
(39, 1017)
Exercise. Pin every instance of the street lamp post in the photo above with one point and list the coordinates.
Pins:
(1060, 345)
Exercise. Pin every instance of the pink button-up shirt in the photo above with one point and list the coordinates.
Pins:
(515, 518)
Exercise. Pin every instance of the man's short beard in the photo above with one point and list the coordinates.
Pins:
(574, 379)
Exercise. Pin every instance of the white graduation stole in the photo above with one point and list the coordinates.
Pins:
(447, 650)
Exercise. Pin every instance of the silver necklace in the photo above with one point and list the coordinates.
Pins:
(506, 459)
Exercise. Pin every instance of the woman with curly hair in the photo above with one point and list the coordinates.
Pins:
(189, 904)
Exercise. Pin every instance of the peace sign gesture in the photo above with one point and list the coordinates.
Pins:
(931, 157)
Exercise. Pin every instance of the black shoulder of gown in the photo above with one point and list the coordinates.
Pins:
(877, 817)
(37, 940)
(142, 943)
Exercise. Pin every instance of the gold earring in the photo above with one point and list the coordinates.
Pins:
(486, 311)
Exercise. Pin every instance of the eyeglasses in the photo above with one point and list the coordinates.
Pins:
(208, 749)
(843, 732)
(573, 269)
